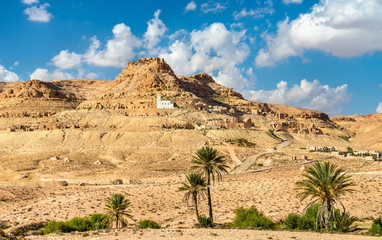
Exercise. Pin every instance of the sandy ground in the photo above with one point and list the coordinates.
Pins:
(272, 192)
(206, 234)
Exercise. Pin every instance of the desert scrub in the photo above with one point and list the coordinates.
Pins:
(251, 218)
(205, 222)
(376, 227)
(340, 222)
(94, 222)
(148, 224)
(346, 138)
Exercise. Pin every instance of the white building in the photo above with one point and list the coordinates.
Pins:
(164, 104)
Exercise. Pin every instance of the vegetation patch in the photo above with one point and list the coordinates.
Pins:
(376, 227)
(251, 218)
(243, 142)
(148, 224)
(205, 222)
(346, 138)
(94, 222)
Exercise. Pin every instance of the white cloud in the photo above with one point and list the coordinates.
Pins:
(214, 50)
(292, 1)
(118, 51)
(311, 95)
(44, 75)
(155, 31)
(15, 64)
(260, 12)
(66, 59)
(191, 6)
(344, 28)
(379, 108)
(38, 14)
(212, 7)
(30, 2)
(7, 76)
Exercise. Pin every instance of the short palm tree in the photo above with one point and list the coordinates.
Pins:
(195, 187)
(117, 210)
(210, 164)
(324, 184)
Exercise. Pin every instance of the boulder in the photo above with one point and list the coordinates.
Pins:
(117, 182)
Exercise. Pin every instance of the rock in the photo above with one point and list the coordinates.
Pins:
(117, 182)
(67, 159)
(55, 158)
(62, 183)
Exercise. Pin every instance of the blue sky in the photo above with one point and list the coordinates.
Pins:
(324, 55)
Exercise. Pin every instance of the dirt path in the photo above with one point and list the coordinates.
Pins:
(232, 154)
(252, 159)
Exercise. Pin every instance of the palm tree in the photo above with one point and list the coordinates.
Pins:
(116, 210)
(195, 187)
(210, 164)
(325, 184)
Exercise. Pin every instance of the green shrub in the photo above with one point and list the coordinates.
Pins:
(205, 222)
(98, 221)
(291, 222)
(54, 226)
(148, 224)
(94, 222)
(346, 138)
(80, 224)
(240, 140)
(271, 132)
(251, 218)
(376, 227)
(260, 165)
(341, 222)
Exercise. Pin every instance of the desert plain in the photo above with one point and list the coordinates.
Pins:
(66, 145)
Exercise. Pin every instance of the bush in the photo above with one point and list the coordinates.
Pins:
(148, 224)
(252, 218)
(346, 138)
(94, 222)
(376, 227)
(291, 222)
(54, 226)
(205, 222)
(240, 140)
(80, 224)
(341, 222)
(98, 221)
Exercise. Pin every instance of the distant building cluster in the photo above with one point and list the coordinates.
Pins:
(164, 104)
(322, 149)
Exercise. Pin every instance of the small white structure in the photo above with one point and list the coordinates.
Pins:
(98, 162)
(164, 104)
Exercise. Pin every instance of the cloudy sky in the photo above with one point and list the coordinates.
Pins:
(324, 55)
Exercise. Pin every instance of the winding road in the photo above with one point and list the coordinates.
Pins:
(243, 167)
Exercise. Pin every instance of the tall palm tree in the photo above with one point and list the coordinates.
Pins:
(324, 184)
(195, 187)
(210, 164)
(117, 210)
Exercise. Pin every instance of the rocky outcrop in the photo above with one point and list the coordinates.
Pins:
(37, 89)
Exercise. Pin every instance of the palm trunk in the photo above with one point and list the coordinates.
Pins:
(116, 222)
(196, 208)
(209, 197)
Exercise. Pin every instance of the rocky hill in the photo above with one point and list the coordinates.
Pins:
(366, 131)
(135, 91)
